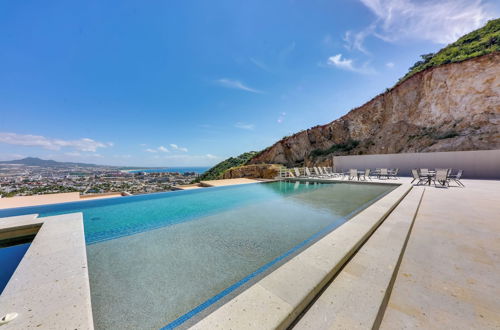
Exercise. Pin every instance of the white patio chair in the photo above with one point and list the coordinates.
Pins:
(456, 178)
(441, 177)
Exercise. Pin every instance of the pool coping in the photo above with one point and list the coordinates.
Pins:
(276, 300)
(50, 287)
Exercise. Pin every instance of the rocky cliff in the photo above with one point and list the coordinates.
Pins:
(263, 171)
(450, 107)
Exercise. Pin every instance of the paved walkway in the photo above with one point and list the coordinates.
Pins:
(22, 201)
(449, 275)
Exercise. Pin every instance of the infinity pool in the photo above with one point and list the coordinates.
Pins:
(162, 259)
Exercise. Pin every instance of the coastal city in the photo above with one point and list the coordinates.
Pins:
(26, 180)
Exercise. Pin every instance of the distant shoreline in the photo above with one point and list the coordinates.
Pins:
(195, 169)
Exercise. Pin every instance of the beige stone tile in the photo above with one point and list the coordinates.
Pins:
(253, 309)
(295, 282)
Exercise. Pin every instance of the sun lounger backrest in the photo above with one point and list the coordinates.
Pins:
(296, 172)
(308, 172)
(353, 172)
(383, 171)
(441, 174)
(414, 172)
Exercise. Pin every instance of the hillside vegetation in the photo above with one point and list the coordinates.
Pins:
(216, 172)
(479, 42)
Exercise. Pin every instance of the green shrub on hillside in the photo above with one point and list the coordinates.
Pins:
(479, 42)
(340, 147)
(216, 172)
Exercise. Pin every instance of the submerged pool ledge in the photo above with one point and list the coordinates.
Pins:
(50, 287)
(275, 301)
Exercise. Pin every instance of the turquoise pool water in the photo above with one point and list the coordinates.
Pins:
(163, 259)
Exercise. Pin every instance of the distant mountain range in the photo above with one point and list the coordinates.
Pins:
(33, 161)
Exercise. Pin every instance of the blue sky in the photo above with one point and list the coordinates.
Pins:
(182, 83)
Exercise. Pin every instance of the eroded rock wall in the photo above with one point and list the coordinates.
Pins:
(263, 171)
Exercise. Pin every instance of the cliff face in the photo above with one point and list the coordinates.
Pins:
(263, 171)
(446, 108)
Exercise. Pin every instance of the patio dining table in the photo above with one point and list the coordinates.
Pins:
(358, 174)
(429, 175)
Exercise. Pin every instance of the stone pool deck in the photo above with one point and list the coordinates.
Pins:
(50, 287)
(22, 201)
(448, 273)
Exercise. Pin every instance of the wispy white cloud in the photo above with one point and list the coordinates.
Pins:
(5, 156)
(348, 64)
(236, 84)
(341, 63)
(355, 40)
(389, 65)
(259, 64)
(176, 147)
(162, 149)
(281, 118)
(29, 140)
(440, 22)
(156, 150)
(248, 127)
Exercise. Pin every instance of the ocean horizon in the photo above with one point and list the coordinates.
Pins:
(181, 169)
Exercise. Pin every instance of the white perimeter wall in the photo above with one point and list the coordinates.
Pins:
(480, 164)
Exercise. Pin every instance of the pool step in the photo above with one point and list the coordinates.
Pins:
(356, 298)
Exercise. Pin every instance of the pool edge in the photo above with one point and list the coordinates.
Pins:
(50, 286)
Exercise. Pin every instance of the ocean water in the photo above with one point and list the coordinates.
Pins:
(199, 170)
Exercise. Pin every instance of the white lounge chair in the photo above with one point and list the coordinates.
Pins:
(366, 174)
(394, 173)
(416, 176)
(456, 178)
(441, 177)
(318, 173)
(353, 174)
(383, 172)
